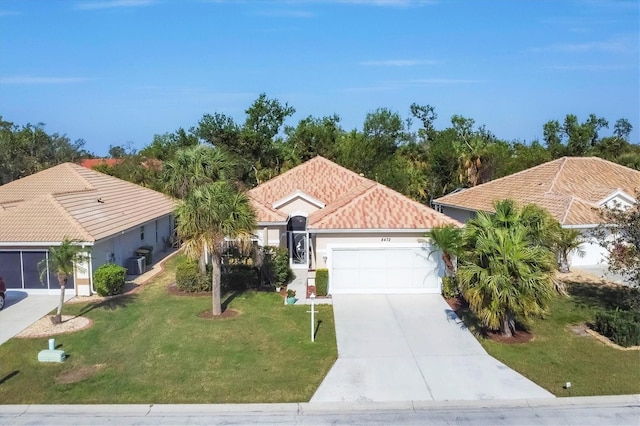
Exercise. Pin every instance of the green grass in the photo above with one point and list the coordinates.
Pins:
(153, 348)
(557, 355)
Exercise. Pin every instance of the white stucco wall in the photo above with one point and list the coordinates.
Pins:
(460, 215)
(298, 204)
(594, 254)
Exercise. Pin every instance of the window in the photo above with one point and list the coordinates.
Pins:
(142, 233)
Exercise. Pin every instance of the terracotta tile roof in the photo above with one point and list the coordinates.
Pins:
(75, 202)
(90, 163)
(351, 201)
(570, 188)
(318, 177)
(380, 207)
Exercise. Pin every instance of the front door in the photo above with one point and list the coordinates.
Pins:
(299, 249)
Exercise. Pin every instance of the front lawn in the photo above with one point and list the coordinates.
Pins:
(151, 347)
(557, 354)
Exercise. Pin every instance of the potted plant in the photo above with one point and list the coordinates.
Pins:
(291, 296)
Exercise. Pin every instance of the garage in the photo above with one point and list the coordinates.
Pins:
(384, 270)
(20, 269)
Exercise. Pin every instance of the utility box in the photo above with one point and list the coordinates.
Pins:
(136, 265)
(147, 252)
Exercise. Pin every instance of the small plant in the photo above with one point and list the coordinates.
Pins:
(109, 279)
(450, 288)
(291, 293)
(322, 281)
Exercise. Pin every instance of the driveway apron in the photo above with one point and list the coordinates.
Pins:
(412, 348)
(22, 310)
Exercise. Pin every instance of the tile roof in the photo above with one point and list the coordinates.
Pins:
(570, 188)
(70, 201)
(90, 163)
(352, 201)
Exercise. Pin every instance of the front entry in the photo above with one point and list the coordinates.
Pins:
(298, 242)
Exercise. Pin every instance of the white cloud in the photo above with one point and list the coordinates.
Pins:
(287, 13)
(41, 80)
(398, 63)
(9, 13)
(444, 81)
(112, 4)
(618, 45)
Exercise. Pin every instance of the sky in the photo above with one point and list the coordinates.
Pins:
(118, 72)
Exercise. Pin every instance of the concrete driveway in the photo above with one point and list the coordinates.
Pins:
(21, 310)
(412, 348)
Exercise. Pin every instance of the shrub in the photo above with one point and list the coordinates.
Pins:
(109, 279)
(450, 289)
(189, 278)
(322, 281)
(275, 266)
(238, 278)
(621, 327)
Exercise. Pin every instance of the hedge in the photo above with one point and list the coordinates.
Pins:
(621, 327)
(189, 278)
(109, 279)
(322, 281)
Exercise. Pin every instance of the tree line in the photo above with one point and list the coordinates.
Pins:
(407, 154)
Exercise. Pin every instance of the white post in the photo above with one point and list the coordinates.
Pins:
(313, 319)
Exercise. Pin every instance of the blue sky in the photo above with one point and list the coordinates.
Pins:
(114, 72)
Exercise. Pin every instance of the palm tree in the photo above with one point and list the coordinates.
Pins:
(193, 167)
(506, 271)
(61, 261)
(567, 241)
(206, 217)
(448, 239)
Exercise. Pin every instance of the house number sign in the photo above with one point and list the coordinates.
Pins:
(385, 239)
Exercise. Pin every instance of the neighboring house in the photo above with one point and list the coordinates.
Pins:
(110, 217)
(370, 237)
(90, 163)
(572, 189)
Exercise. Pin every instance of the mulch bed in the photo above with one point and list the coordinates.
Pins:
(520, 336)
(175, 291)
(227, 313)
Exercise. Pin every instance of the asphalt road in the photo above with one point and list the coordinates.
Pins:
(601, 411)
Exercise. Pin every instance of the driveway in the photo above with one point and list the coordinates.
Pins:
(413, 348)
(602, 271)
(22, 309)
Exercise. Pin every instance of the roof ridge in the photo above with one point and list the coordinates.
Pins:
(69, 217)
(317, 158)
(411, 200)
(558, 173)
(505, 177)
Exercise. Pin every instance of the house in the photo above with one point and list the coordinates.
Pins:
(572, 189)
(369, 237)
(110, 217)
(90, 163)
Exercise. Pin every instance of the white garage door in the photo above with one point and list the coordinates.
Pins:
(384, 270)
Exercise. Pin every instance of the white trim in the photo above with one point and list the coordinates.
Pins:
(458, 207)
(389, 291)
(617, 194)
(298, 194)
(272, 223)
(44, 244)
(297, 213)
(585, 226)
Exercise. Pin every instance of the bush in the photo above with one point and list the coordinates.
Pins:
(189, 278)
(239, 278)
(322, 281)
(275, 266)
(450, 289)
(621, 327)
(109, 279)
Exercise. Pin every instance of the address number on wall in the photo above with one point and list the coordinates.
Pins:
(385, 239)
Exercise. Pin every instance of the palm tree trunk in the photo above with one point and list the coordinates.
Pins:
(215, 285)
(448, 263)
(202, 263)
(58, 318)
(508, 324)
(563, 264)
